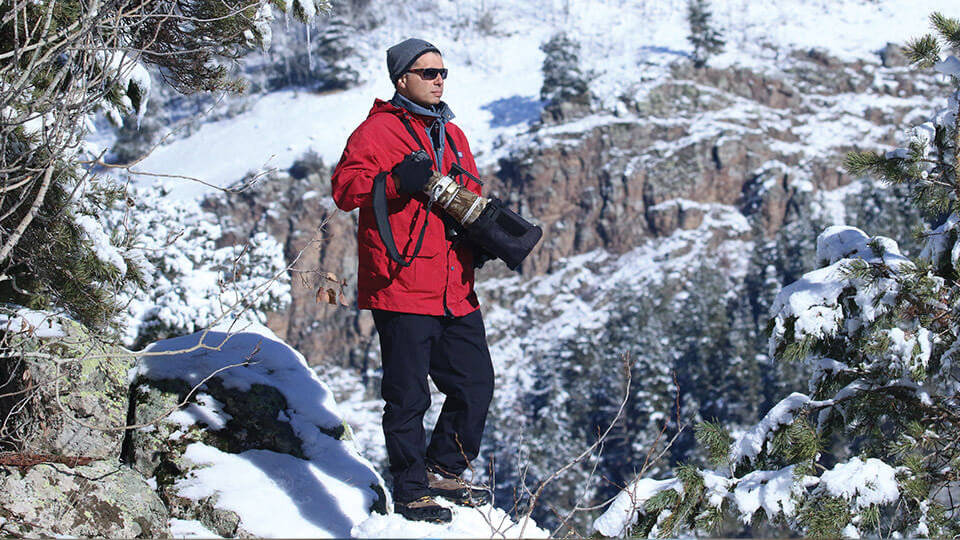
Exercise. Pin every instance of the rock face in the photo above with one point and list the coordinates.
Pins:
(88, 383)
(105, 499)
(65, 405)
(254, 402)
(247, 403)
(707, 136)
(157, 450)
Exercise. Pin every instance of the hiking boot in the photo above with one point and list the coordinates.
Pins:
(424, 509)
(456, 490)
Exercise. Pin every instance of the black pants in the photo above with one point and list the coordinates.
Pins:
(453, 352)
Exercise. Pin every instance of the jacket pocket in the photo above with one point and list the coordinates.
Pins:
(424, 275)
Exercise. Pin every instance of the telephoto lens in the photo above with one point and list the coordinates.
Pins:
(457, 201)
(488, 222)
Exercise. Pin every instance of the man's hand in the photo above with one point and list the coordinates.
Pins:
(413, 172)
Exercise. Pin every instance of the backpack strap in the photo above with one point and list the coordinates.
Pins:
(457, 168)
(383, 223)
(380, 210)
(413, 133)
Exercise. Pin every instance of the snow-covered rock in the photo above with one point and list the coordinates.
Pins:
(256, 444)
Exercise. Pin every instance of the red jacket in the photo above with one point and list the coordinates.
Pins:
(441, 276)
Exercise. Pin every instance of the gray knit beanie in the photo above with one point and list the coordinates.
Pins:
(402, 55)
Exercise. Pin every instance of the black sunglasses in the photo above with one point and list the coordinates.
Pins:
(429, 74)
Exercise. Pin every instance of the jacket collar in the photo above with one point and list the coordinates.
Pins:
(437, 112)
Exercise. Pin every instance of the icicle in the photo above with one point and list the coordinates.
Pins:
(309, 52)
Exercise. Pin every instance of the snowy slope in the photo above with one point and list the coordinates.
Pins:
(495, 73)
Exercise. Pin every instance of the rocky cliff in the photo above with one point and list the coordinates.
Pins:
(764, 143)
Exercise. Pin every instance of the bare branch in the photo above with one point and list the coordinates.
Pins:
(535, 496)
(25, 222)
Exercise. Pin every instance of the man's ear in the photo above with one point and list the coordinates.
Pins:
(401, 82)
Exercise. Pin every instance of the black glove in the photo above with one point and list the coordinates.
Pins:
(413, 172)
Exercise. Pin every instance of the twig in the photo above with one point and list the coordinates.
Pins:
(25, 222)
(25, 461)
(589, 451)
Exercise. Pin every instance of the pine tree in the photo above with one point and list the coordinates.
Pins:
(872, 447)
(61, 62)
(565, 90)
(703, 36)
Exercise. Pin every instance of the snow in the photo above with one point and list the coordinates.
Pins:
(774, 491)
(717, 487)
(247, 355)
(949, 66)
(812, 301)
(910, 353)
(100, 242)
(278, 495)
(261, 21)
(806, 297)
(842, 242)
(209, 413)
(863, 483)
(623, 511)
(128, 71)
(42, 324)
(482, 522)
(751, 443)
(850, 531)
(182, 528)
(140, 77)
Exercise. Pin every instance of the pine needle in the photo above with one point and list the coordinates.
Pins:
(716, 440)
(923, 52)
(948, 27)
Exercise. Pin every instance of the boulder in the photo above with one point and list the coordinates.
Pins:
(103, 499)
(249, 402)
(66, 394)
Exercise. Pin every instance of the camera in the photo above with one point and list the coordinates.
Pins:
(487, 221)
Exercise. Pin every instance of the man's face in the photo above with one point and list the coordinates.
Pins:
(413, 86)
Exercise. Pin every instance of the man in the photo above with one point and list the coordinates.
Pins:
(416, 275)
